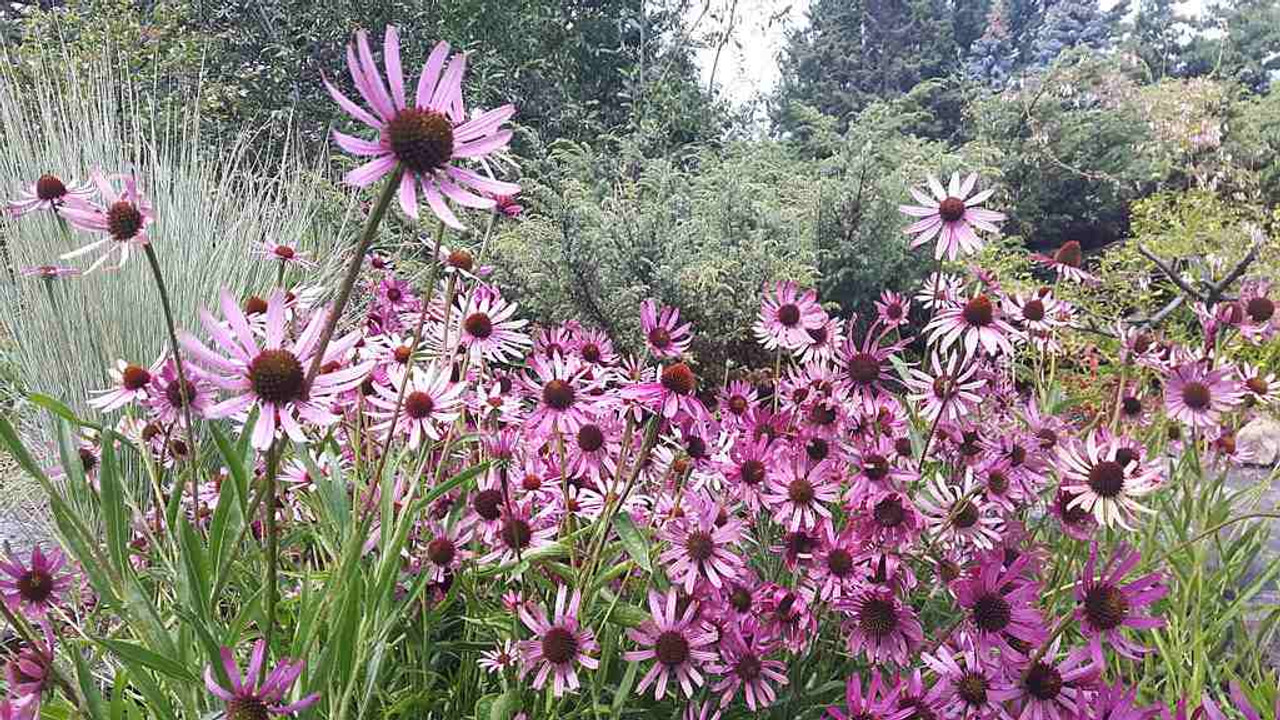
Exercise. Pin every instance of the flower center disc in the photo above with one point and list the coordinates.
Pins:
(277, 377)
(889, 512)
(591, 353)
(173, 393)
(991, 613)
(972, 688)
(419, 405)
(421, 139)
(877, 617)
(966, 516)
(590, 438)
(1106, 479)
(284, 252)
(247, 708)
(699, 545)
(1106, 606)
(478, 325)
(839, 562)
(679, 379)
(558, 394)
(35, 586)
(254, 305)
(1260, 309)
(800, 491)
(979, 311)
(135, 378)
(864, 368)
(487, 504)
(441, 551)
(123, 220)
(1044, 682)
(50, 187)
(1033, 311)
(516, 533)
(951, 209)
(789, 315)
(1069, 254)
(748, 667)
(1196, 395)
(559, 646)
(752, 472)
(671, 648)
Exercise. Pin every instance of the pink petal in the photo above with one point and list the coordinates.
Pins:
(430, 74)
(391, 57)
(351, 108)
(409, 195)
(479, 148)
(370, 172)
(438, 205)
(358, 146)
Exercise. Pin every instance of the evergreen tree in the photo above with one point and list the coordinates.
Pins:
(1156, 37)
(1248, 50)
(1069, 24)
(992, 56)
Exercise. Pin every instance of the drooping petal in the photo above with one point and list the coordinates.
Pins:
(430, 74)
(370, 172)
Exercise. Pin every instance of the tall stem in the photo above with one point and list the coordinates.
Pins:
(353, 270)
(194, 465)
(273, 542)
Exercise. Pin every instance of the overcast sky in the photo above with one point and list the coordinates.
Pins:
(749, 65)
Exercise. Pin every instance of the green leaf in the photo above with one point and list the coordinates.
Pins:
(114, 513)
(88, 685)
(633, 540)
(57, 407)
(505, 705)
(624, 689)
(134, 654)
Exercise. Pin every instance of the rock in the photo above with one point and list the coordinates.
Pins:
(1259, 441)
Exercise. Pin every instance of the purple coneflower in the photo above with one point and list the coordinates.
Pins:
(743, 664)
(132, 385)
(165, 400)
(799, 494)
(283, 253)
(35, 588)
(488, 329)
(1197, 396)
(881, 625)
(1001, 605)
(431, 403)
(124, 221)
(1262, 387)
(978, 322)
(968, 688)
(445, 549)
(1107, 604)
(49, 192)
(427, 138)
(677, 641)
(1066, 261)
(272, 378)
(1107, 478)
(664, 336)
(673, 395)
(561, 392)
(50, 272)
(893, 308)
(500, 658)
(559, 644)
(888, 519)
(701, 547)
(1052, 689)
(246, 699)
(786, 316)
(951, 215)
(594, 347)
(834, 572)
(950, 392)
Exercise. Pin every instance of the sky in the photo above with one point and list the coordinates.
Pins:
(749, 65)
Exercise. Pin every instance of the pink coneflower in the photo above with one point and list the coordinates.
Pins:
(1116, 702)
(978, 322)
(1036, 312)
(677, 641)
(501, 657)
(49, 192)
(425, 139)
(50, 272)
(559, 644)
(1261, 386)
(1107, 479)
(445, 549)
(735, 402)
(272, 378)
(798, 495)
(1076, 522)
(124, 221)
(867, 368)
(823, 342)
(1051, 688)
(880, 625)
(246, 699)
(950, 392)
(594, 347)
(786, 316)
(747, 469)
(518, 529)
(165, 400)
(664, 336)
(1001, 605)
(788, 614)
(673, 395)
(24, 707)
(507, 205)
(951, 215)
(833, 572)
(1259, 310)
(488, 329)
(1197, 396)
(940, 290)
(132, 385)
(431, 404)
(701, 547)
(968, 687)
(1066, 261)
(283, 253)
(743, 665)
(35, 588)
(29, 670)
(561, 392)
(888, 519)
(1107, 604)
(592, 450)
(893, 308)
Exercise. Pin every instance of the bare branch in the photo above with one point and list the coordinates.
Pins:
(1259, 239)
(1170, 273)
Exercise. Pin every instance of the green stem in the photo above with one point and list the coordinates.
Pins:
(353, 270)
(194, 464)
(273, 543)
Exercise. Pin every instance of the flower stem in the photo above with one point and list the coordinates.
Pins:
(273, 543)
(353, 270)
(192, 448)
